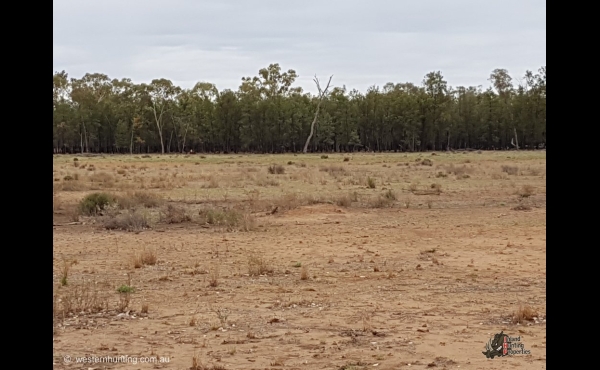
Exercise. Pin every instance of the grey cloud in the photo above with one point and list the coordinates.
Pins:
(362, 43)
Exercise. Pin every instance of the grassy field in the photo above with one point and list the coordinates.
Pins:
(340, 261)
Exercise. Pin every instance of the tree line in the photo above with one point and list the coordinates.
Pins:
(268, 114)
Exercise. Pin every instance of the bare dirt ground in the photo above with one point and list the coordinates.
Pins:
(380, 261)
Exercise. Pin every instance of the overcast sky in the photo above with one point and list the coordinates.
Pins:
(362, 43)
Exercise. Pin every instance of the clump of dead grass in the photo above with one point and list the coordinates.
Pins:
(511, 170)
(230, 219)
(524, 313)
(344, 201)
(334, 171)
(139, 198)
(213, 276)
(526, 191)
(175, 215)
(146, 257)
(459, 171)
(293, 200)
(71, 185)
(220, 217)
(390, 194)
(258, 265)
(102, 180)
(380, 202)
(128, 221)
(521, 207)
(434, 189)
(87, 297)
(265, 181)
(371, 183)
(304, 273)
(212, 183)
(276, 169)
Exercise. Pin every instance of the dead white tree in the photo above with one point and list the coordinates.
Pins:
(515, 143)
(322, 94)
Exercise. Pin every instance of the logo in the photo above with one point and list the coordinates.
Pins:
(503, 345)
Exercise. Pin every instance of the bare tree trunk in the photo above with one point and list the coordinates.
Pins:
(516, 139)
(87, 145)
(184, 135)
(312, 128)
(169, 145)
(158, 120)
(321, 95)
(131, 142)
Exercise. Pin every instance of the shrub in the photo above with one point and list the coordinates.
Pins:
(176, 215)
(95, 202)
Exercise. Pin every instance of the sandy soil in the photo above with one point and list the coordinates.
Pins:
(423, 285)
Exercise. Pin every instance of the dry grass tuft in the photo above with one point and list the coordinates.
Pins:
(139, 198)
(344, 201)
(213, 276)
(129, 221)
(66, 267)
(380, 202)
(80, 297)
(258, 265)
(304, 273)
(103, 180)
(144, 258)
(390, 194)
(371, 183)
(459, 171)
(524, 313)
(526, 191)
(334, 171)
(276, 169)
(521, 207)
(511, 170)
(175, 215)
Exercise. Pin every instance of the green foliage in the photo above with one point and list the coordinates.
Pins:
(268, 114)
(95, 202)
(125, 289)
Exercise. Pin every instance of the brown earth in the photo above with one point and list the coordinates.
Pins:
(424, 282)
